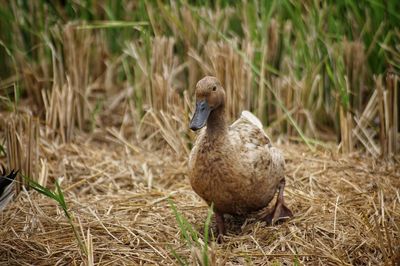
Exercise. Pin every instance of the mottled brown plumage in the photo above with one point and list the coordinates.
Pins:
(235, 167)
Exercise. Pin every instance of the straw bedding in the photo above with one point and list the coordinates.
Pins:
(347, 211)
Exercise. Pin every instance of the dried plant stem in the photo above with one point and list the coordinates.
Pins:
(22, 138)
(388, 114)
(345, 130)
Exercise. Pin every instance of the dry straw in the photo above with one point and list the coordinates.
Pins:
(346, 211)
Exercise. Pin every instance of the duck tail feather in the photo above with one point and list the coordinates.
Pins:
(252, 118)
(6, 191)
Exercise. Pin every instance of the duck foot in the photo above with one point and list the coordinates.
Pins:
(281, 211)
(219, 218)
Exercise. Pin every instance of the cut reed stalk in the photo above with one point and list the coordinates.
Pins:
(346, 125)
(388, 110)
(392, 111)
(22, 138)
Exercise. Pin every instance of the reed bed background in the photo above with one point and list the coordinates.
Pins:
(98, 94)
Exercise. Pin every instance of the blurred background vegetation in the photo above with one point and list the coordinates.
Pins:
(312, 70)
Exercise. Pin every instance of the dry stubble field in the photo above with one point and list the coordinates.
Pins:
(347, 211)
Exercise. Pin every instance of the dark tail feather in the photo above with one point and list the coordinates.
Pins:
(5, 179)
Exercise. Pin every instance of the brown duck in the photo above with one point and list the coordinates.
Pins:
(234, 167)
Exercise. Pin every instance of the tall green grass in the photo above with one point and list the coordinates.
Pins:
(315, 25)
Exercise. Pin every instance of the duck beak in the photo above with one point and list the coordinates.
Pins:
(200, 116)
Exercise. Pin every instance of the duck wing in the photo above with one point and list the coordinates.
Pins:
(249, 129)
(255, 147)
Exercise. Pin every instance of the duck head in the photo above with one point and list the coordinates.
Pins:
(210, 96)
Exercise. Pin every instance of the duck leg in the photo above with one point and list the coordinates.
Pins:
(280, 210)
(219, 218)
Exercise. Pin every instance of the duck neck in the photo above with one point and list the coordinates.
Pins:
(216, 123)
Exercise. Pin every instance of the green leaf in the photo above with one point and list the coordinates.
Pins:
(206, 233)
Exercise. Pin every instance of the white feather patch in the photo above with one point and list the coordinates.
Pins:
(252, 118)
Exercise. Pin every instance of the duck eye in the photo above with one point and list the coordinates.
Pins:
(214, 88)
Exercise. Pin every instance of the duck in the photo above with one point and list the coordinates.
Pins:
(5, 181)
(233, 168)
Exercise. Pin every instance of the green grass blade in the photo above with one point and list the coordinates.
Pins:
(181, 261)
(181, 222)
(206, 235)
(41, 189)
(2, 150)
(112, 24)
(57, 196)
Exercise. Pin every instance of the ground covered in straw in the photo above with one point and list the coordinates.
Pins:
(347, 211)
